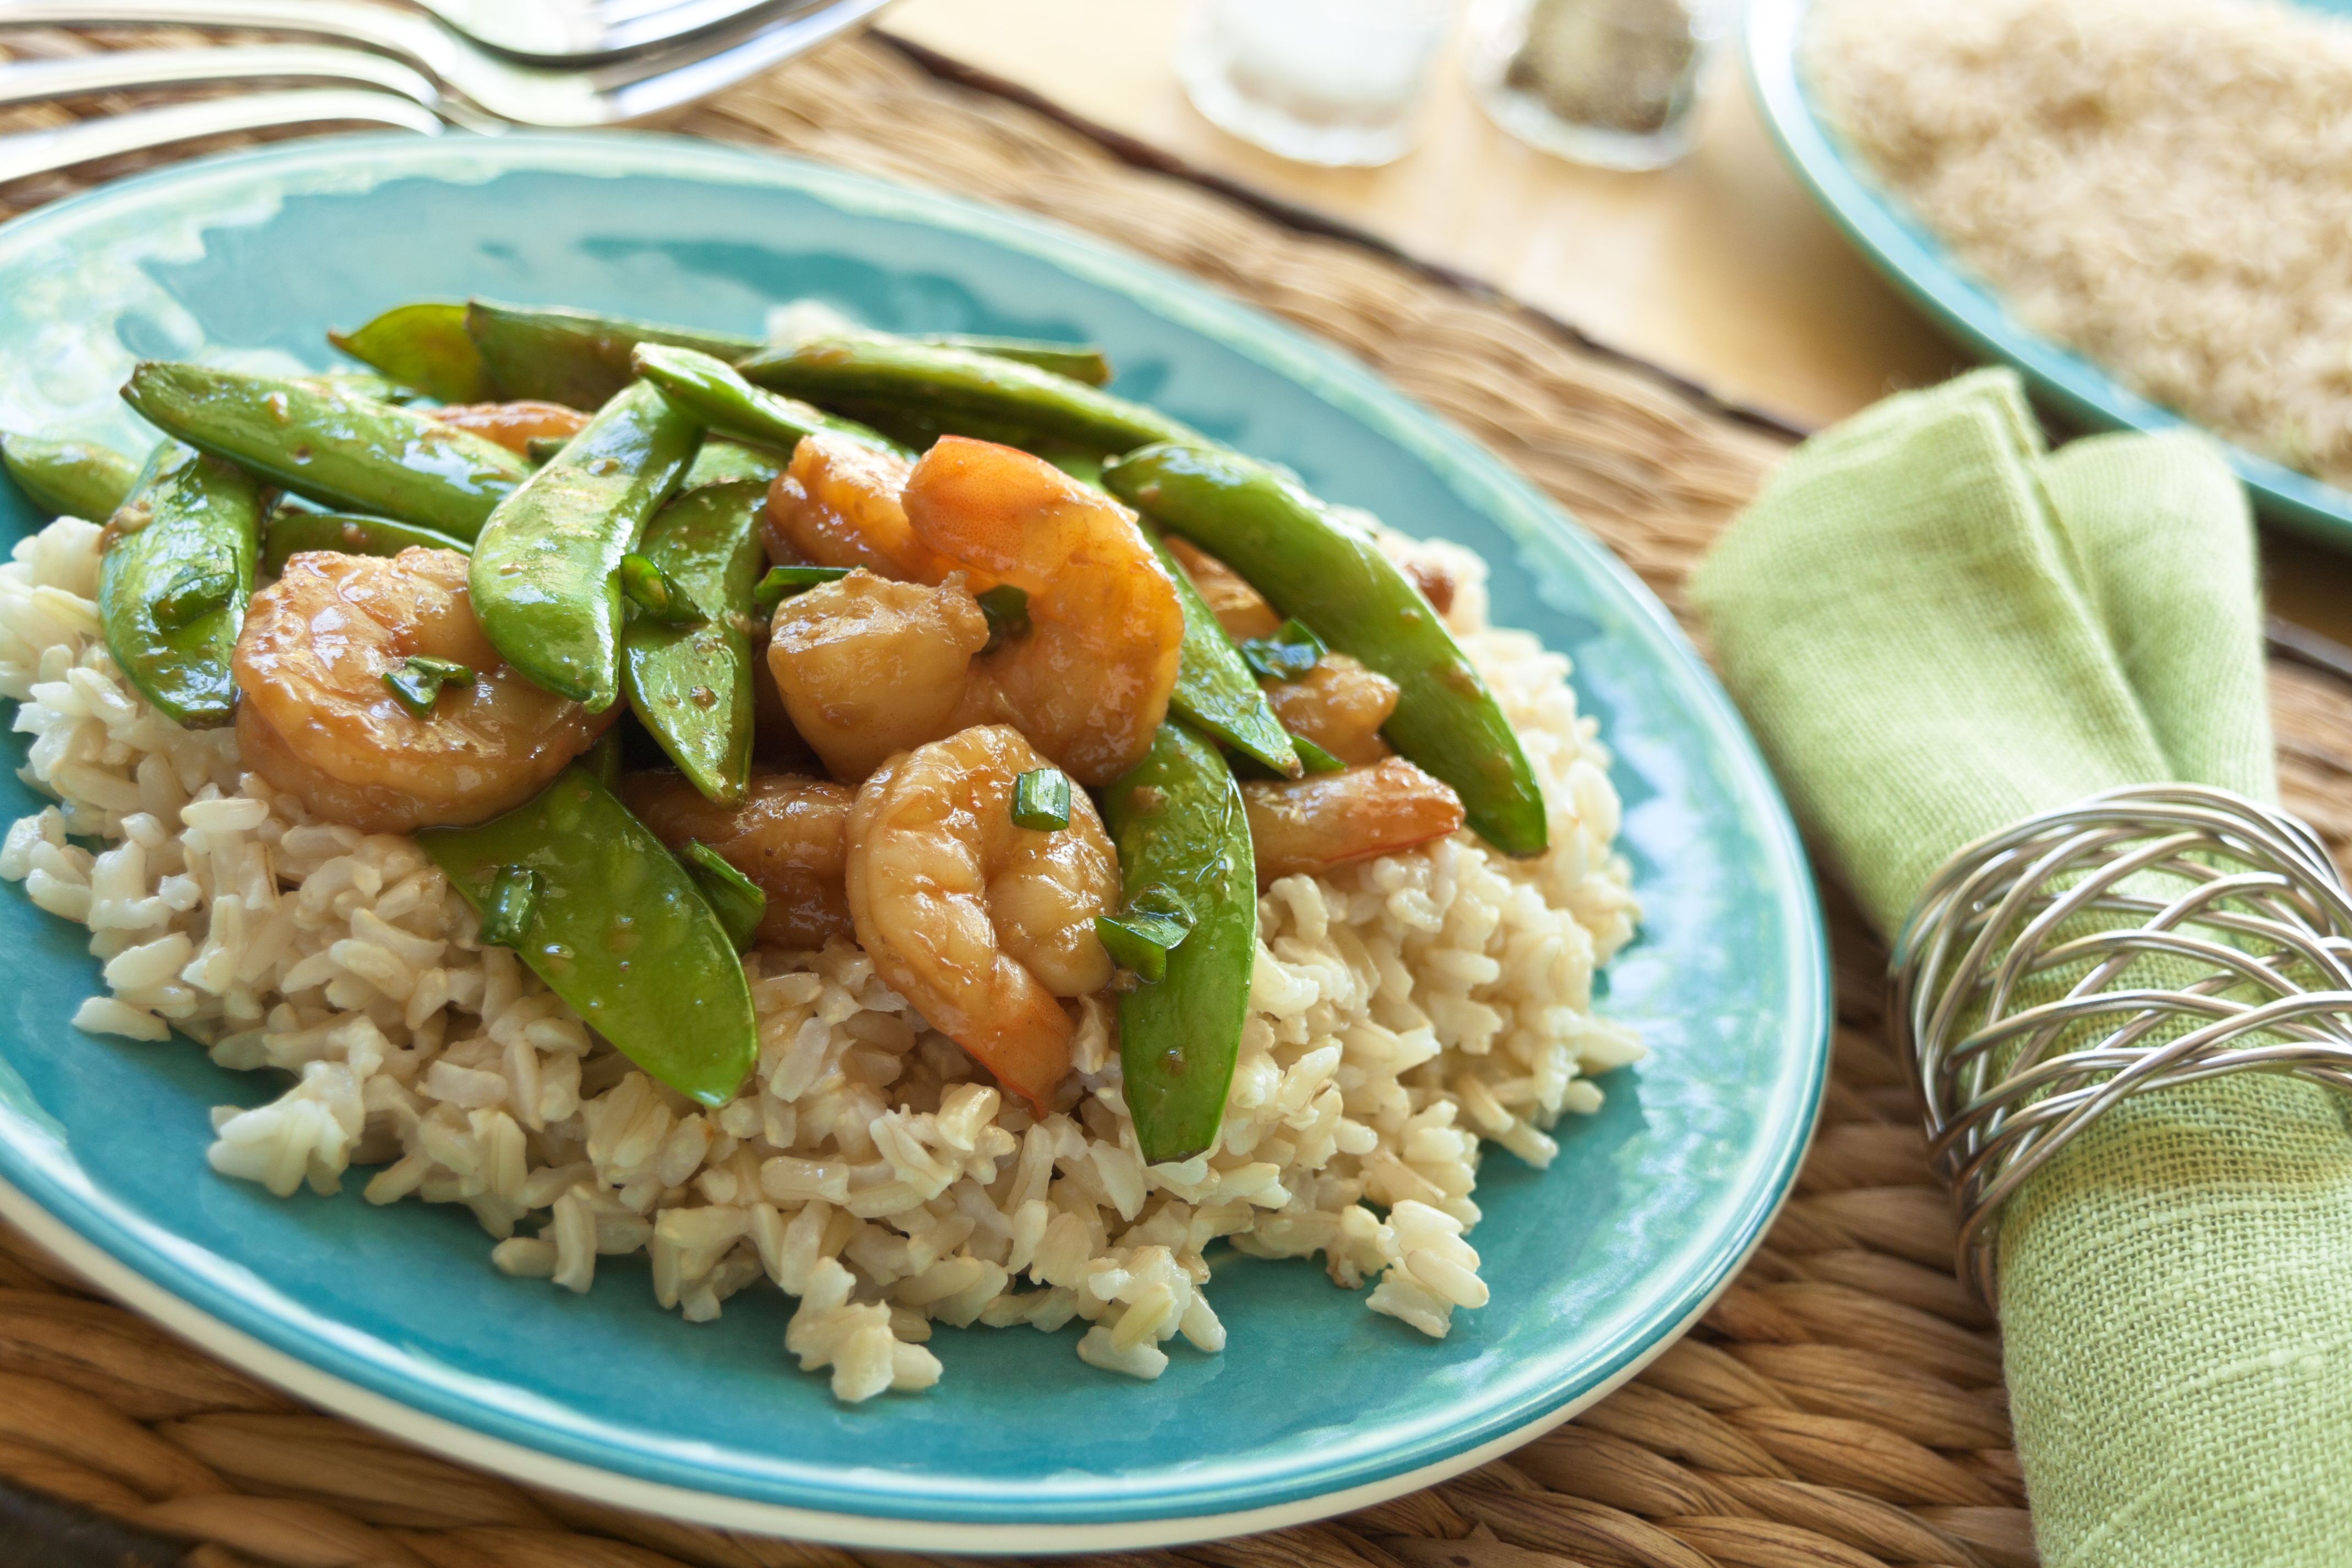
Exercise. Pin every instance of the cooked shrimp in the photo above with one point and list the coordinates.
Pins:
(868, 666)
(317, 721)
(513, 425)
(839, 505)
(1088, 684)
(1340, 705)
(977, 922)
(1241, 609)
(789, 837)
(1327, 819)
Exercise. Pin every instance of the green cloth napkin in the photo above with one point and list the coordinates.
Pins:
(1936, 627)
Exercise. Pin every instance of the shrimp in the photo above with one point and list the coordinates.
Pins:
(868, 666)
(1324, 820)
(978, 924)
(513, 425)
(317, 721)
(1241, 609)
(1088, 684)
(1340, 705)
(789, 837)
(839, 505)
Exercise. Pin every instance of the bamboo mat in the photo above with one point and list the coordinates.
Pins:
(1839, 1407)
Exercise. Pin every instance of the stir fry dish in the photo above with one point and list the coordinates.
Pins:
(879, 814)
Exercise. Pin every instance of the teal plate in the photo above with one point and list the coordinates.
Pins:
(395, 1317)
(1970, 308)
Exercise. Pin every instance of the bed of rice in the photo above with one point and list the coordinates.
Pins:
(2164, 185)
(1403, 1013)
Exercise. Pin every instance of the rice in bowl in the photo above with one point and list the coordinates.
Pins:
(1403, 1013)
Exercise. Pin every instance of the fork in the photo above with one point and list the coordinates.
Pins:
(427, 59)
(581, 32)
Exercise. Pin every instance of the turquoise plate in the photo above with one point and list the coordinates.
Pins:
(1883, 227)
(395, 1317)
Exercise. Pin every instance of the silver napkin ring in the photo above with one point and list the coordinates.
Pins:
(2238, 894)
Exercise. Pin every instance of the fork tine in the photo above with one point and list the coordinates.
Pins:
(126, 70)
(28, 152)
(633, 95)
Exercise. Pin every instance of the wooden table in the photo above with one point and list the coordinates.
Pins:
(1719, 269)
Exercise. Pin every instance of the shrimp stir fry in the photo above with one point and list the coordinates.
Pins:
(1088, 683)
(978, 922)
(1003, 655)
(317, 721)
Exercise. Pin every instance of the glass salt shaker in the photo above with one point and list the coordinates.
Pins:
(1610, 82)
(1337, 82)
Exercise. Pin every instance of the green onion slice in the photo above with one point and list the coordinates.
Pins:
(657, 594)
(735, 898)
(783, 581)
(1007, 609)
(1041, 800)
(417, 684)
(192, 595)
(513, 901)
(1315, 759)
(1289, 653)
(1154, 923)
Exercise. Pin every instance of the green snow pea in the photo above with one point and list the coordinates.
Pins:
(804, 320)
(576, 357)
(1183, 844)
(618, 929)
(319, 440)
(174, 579)
(1079, 362)
(1317, 567)
(730, 406)
(69, 479)
(723, 462)
(691, 685)
(1214, 688)
(970, 394)
(542, 580)
(289, 531)
(424, 345)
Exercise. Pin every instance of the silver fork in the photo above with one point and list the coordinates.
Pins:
(581, 32)
(635, 88)
(447, 80)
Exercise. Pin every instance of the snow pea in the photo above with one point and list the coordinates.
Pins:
(618, 929)
(970, 394)
(542, 578)
(288, 532)
(691, 685)
(1318, 567)
(803, 320)
(69, 479)
(1214, 688)
(1183, 839)
(724, 462)
(424, 345)
(730, 406)
(576, 357)
(320, 440)
(174, 579)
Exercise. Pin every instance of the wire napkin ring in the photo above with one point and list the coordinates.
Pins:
(2236, 901)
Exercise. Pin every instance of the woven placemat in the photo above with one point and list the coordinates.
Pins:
(1839, 1407)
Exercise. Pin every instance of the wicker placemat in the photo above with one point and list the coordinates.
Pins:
(1840, 1407)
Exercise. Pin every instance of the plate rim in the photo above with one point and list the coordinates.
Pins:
(1928, 273)
(1483, 483)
